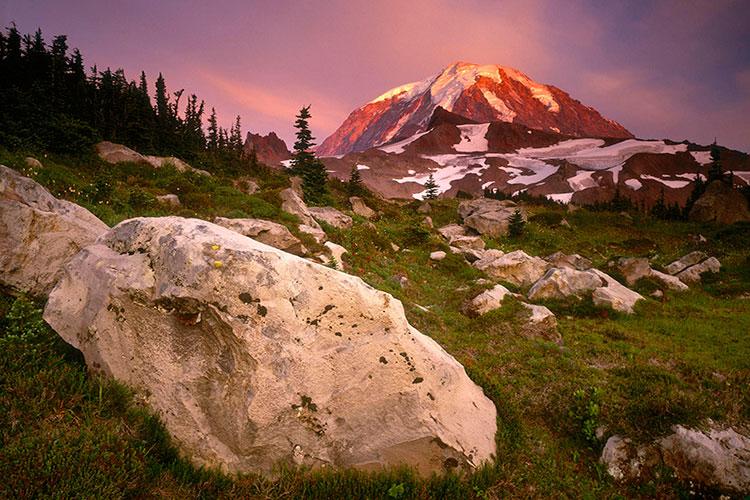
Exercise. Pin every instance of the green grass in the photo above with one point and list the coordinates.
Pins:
(64, 432)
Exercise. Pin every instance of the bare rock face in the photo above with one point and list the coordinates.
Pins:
(117, 153)
(541, 322)
(720, 203)
(316, 232)
(269, 149)
(467, 242)
(173, 161)
(633, 268)
(487, 216)
(292, 202)
(562, 282)
(452, 230)
(622, 458)
(615, 295)
(516, 267)
(693, 273)
(359, 208)
(39, 233)
(717, 457)
(331, 216)
(684, 262)
(246, 185)
(265, 231)
(253, 356)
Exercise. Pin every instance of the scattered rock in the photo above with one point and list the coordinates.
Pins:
(684, 262)
(469, 254)
(395, 247)
(359, 208)
(170, 200)
(172, 161)
(564, 223)
(291, 202)
(39, 233)
(720, 203)
(452, 230)
(331, 216)
(267, 357)
(424, 208)
(574, 261)
(671, 282)
(428, 222)
(315, 231)
(633, 268)
(439, 255)
(487, 216)
(622, 459)
(246, 185)
(516, 267)
(658, 294)
(117, 153)
(487, 301)
(615, 295)
(693, 273)
(562, 282)
(337, 252)
(541, 322)
(32, 162)
(265, 231)
(468, 242)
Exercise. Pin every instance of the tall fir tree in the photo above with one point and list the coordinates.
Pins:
(213, 131)
(516, 224)
(305, 164)
(715, 171)
(431, 188)
(354, 186)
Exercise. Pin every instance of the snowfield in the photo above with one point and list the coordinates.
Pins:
(473, 138)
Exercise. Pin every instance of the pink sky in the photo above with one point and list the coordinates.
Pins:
(669, 69)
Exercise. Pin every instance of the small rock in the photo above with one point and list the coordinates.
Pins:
(671, 282)
(246, 185)
(265, 231)
(565, 223)
(541, 322)
(32, 162)
(633, 268)
(452, 230)
(428, 222)
(657, 294)
(693, 273)
(615, 295)
(315, 231)
(424, 208)
(573, 261)
(469, 242)
(395, 247)
(291, 202)
(170, 200)
(487, 301)
(439, 255)
(359, 208)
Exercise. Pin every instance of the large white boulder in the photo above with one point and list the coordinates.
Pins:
(265, 231)
(562, 282)
(252, 356)
(516, 267)
(38, 233)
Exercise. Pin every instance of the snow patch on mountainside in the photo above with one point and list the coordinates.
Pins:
(398, 147)
(473, 138)
(406, 91)
(453, 168)
(362, 167)
(667, 182)
(505, 113)
(702, 157)
(633, 184)
(582, 180)
(560, 197)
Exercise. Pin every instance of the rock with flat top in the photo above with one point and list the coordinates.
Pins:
(292, 202)
(452, 230)
(39, 233)
(516, 267)
(265, 231)
(684, 262)
(467, 242)
(573, 261)
(253, 357)
(331, 216)
(541, 322)
(563, 282)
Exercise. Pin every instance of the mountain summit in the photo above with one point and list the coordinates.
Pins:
(482, 93)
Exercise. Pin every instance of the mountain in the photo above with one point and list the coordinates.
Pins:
(463, 155)
(483, 94)
(269, 149)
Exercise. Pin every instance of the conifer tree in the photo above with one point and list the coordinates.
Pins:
(431, 188)
(213, 131)
(354, 186)
(715, 172)
(516, 224)
(235, 136)
(304, 163)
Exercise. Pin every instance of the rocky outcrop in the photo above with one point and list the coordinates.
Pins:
(563, 282)
(693, 273)
(38, 233)
(716, 458)
(573, 261)
(451, 231)
(269, 149)
(487, 216)
(359, 208)
(331, 216)
(252, 356)
(541, 323)
(487, 301)
(246, 185)
(720, 203)
(266, 232)
(516, 267)
(633, 268)
(316, 232)
(117, 153)
(671, 282)
(169, 200)
(615, 295)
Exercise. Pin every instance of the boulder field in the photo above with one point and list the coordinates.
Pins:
(253, 356)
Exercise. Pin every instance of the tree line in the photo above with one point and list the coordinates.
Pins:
(51, 102)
